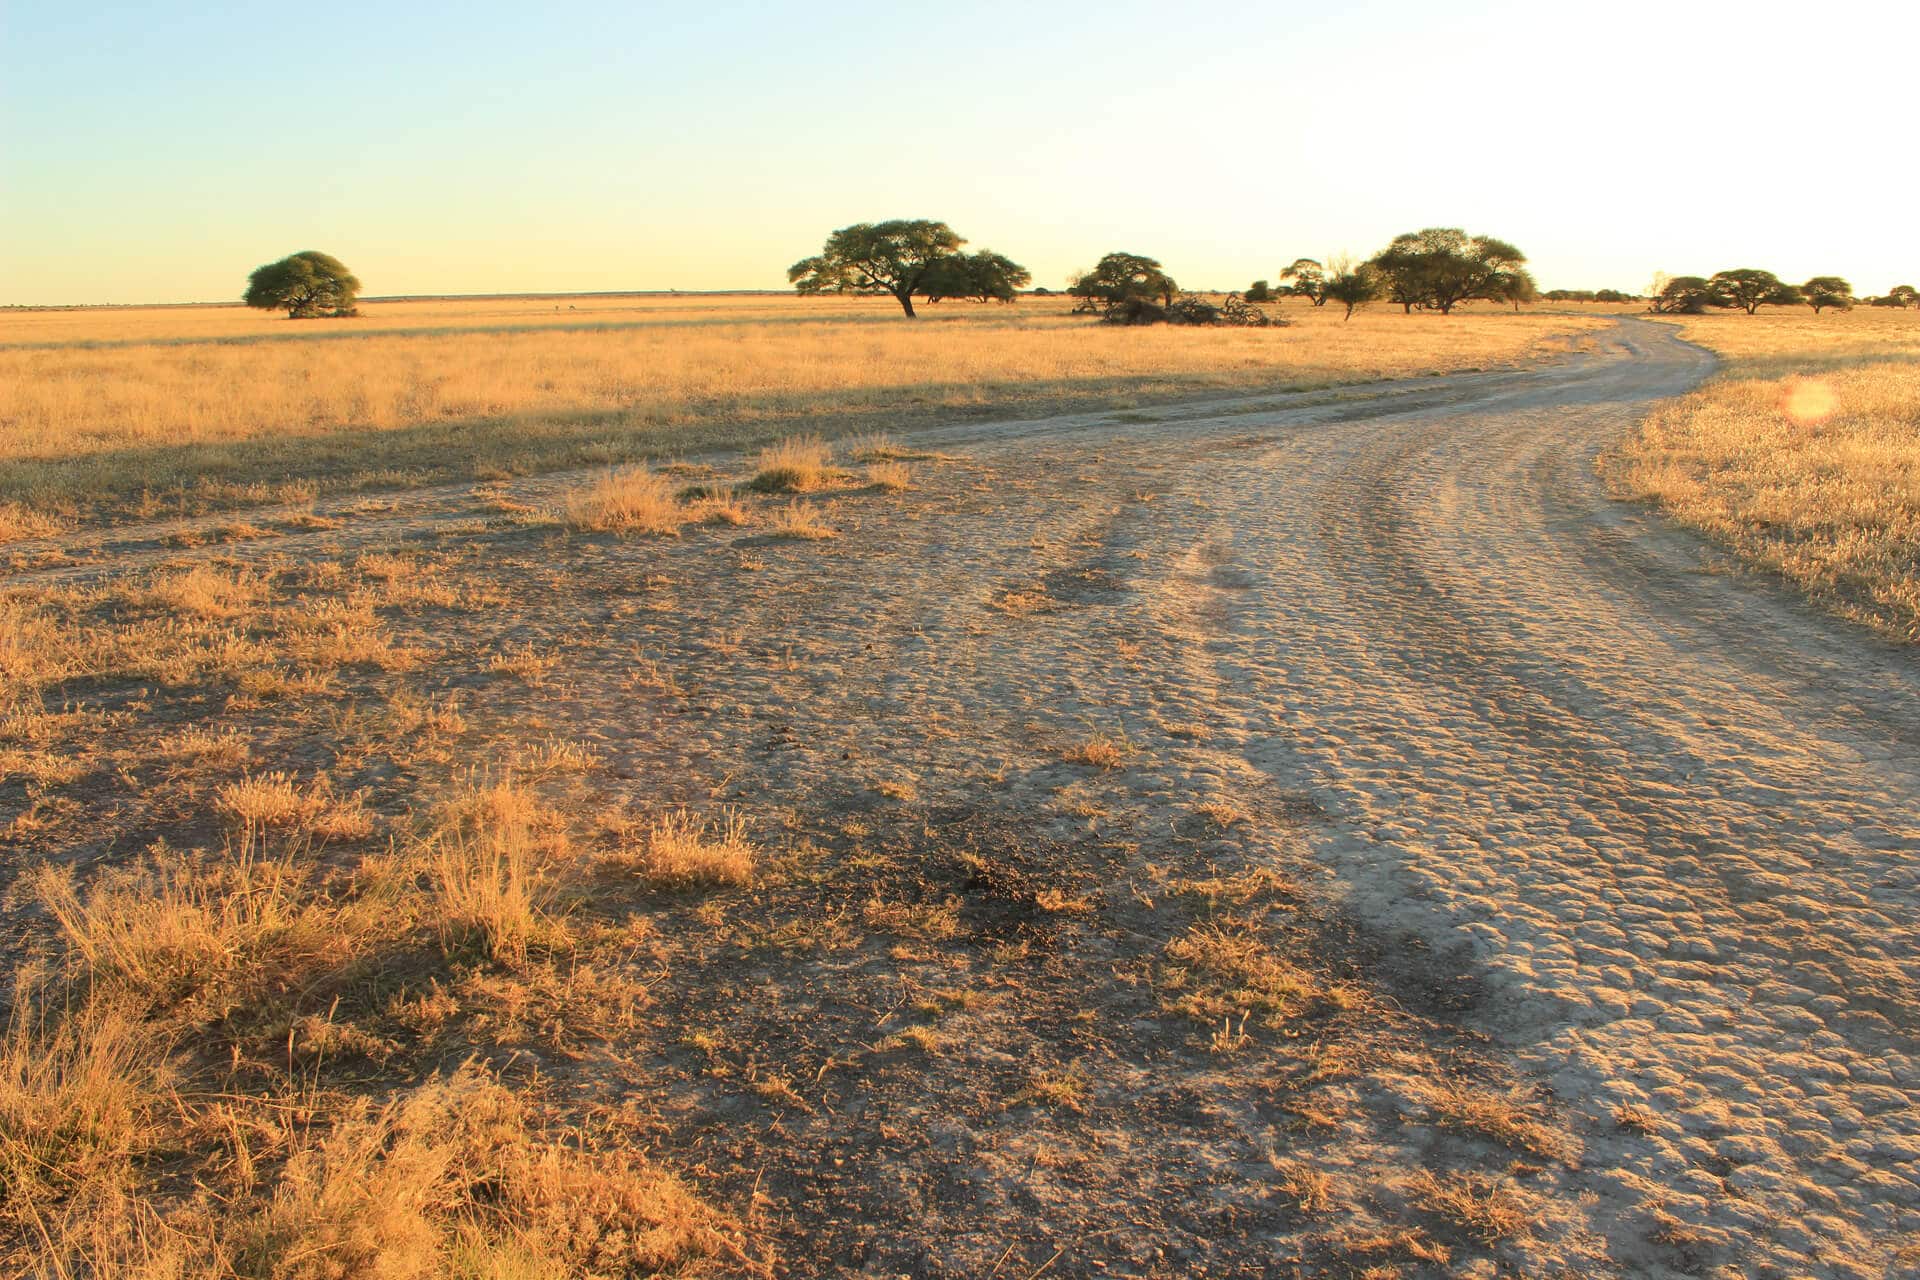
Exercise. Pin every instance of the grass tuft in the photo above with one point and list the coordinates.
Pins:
(631, 500)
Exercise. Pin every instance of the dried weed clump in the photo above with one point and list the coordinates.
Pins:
(496, 864)
(801, 521)
(798, 464)
(683, 848)
(633, 500)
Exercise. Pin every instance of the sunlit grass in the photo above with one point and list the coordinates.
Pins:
(232, 407)
(1803, 457)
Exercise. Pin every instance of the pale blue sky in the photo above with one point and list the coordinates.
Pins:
(154, 152)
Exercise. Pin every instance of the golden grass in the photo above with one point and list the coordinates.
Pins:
(1803, 457)
(214, 931)
(801, 520)
(221, 407)
(495, 868)
(798, 464)
(890, 477)
(630, 500)
(1220, 971)
(684, 848)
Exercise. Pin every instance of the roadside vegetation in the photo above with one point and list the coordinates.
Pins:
(1803, 456)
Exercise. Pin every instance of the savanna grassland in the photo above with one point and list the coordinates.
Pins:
(1803, 456)
(107, 413)
(542, 876)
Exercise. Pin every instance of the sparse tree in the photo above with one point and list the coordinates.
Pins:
(1827, 291)
(1749, 288)
(304, 285)
(1259, 291)
(1309, 280)
(893, 258)
(1353, 288)
(1686, 296)
(1441, 267)
(1121, 280)
(1516, 286)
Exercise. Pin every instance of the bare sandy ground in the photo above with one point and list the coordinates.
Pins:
(1562, 809)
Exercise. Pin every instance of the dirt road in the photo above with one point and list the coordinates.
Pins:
(1581, 814)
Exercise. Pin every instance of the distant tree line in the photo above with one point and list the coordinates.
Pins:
(1749, 288)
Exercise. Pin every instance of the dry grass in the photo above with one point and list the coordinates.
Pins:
(216, 932)
(798, 464)
(1220, 974)
(1490, 1209)
(889, 477)
(1511, 1118)
(1803, 457)
(632, 500)
(221, 406)
(684, 848)
(802, 521)
(1101, 751)
(496, 864)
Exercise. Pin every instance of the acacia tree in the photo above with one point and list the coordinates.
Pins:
(1686, 296)
(304, 285)
(1352, 288)
(1309, 279)
(1827, 291)
(1903, 295)
(1259, 291)
(1441, 267)
(1749, 288)
(1122, 279)
(988, 276)
(893, 257)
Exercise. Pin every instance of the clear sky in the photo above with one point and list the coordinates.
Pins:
(159, 152)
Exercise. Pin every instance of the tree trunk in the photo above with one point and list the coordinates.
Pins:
(906, 303)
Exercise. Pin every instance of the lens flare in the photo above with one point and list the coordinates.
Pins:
(1808, 400)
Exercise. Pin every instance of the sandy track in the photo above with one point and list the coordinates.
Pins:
(1645, 824)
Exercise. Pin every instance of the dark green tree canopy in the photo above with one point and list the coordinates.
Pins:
(1120, 279)
(1441, 267)
(1749, 288)
(986, 275)
(1307, 279)
(1904, 295)
(304, 285)
(1827, 291)
(878, 257)
(1259, 291)
(1687, 296)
